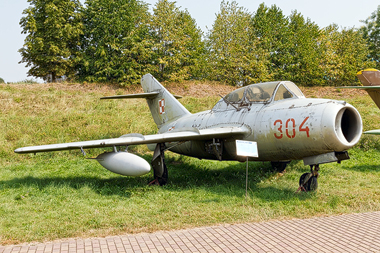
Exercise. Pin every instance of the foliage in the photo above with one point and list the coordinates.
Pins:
(331, 63)
(26, 81)
(234, 53)
(53, 28)
(271, 27)
(290, 42)
(2, 80)
(115, 48)
(352, 52)
(119, 41)
(344, 54)
(179, 49)
(371, 32)
(304, 51)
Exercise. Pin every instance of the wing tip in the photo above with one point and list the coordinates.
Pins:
(376, 132)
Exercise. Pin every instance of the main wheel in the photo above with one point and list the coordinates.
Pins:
(308, 182)
(164, 178)
(312, 184)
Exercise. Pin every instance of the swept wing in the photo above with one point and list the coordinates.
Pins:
(192, 134)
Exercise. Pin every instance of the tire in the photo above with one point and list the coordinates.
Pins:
(163, 180)
(312, 184)
(309, 182)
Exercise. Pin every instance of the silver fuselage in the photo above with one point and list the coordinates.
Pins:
(284, 130)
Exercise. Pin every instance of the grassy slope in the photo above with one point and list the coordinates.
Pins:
(59, 195)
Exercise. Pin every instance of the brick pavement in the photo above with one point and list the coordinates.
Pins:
(344, 233)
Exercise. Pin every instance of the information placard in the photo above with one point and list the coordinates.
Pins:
(246, 148)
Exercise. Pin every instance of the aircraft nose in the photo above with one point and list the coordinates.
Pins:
(347, 126)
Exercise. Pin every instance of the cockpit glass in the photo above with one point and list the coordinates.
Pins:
(282, 93)
(260, 92)
(293, 88)
(235, 96)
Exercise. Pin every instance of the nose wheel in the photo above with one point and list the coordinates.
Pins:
(309, 181)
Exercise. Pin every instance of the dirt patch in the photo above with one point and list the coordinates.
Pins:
(199, 90)
(331, 92)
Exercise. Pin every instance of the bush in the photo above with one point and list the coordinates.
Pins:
(27, 81)
(2, 80)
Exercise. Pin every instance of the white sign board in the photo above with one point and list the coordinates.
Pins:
(246, 148)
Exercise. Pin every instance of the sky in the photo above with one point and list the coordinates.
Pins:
(344, 13)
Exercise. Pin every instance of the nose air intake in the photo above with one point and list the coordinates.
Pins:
(348, 126)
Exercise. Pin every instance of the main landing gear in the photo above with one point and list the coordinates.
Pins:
(308, 181)
(159, 166)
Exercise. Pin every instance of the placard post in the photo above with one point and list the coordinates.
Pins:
(247, 149)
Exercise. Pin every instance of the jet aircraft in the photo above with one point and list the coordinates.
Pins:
(276, 115)
(370, 78)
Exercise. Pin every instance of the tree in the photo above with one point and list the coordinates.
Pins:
(179, 49)
(53, 28)
(352, 51)
(371, 33)
(116, 46)
(235, 55)
(344, 54)
(304, 51)
(271, 27)
(330, 64)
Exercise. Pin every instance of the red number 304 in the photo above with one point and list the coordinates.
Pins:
(290, 128)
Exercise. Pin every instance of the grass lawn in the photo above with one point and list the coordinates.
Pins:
(61, 194)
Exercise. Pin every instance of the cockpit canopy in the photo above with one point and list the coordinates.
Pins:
(262, 93)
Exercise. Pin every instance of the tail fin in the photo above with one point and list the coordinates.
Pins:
(164, 106)
(370, 78)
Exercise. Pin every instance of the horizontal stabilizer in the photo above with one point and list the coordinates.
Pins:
(204, 134)
(149, 95)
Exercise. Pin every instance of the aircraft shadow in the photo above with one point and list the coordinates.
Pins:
(109, 186)
(231, 178)
(182, 176)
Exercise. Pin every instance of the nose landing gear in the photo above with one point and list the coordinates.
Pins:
(308, 181)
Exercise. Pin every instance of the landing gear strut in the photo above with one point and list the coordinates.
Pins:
(159, 166)
(308, 181)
